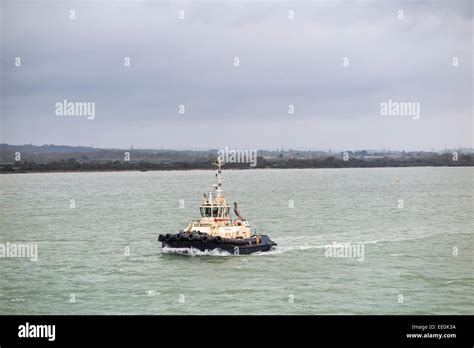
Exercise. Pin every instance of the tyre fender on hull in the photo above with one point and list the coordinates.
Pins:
(204, 238)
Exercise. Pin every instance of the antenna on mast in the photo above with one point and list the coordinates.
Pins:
(218, 187)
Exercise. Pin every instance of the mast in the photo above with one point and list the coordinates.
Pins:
(218, 187)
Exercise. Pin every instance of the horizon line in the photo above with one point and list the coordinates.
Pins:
(282, 149)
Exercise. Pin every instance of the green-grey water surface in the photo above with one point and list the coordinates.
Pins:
(415, 225)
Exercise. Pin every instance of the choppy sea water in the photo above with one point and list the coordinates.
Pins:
(102, 256)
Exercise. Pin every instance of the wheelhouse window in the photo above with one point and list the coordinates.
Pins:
(214, 211)
(206, 211)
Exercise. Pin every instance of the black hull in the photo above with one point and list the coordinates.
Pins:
(232, 246)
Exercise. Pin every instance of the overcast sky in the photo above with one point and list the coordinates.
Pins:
(283, 61)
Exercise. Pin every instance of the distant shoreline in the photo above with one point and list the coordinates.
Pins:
(211, 169)
(66, 159)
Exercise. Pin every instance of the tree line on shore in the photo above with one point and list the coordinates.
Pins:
(74, 165)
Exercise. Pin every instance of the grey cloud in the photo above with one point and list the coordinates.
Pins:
(282, 62)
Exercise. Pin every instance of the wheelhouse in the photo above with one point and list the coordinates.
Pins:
(214, 211)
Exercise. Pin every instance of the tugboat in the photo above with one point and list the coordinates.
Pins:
(216, 229)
